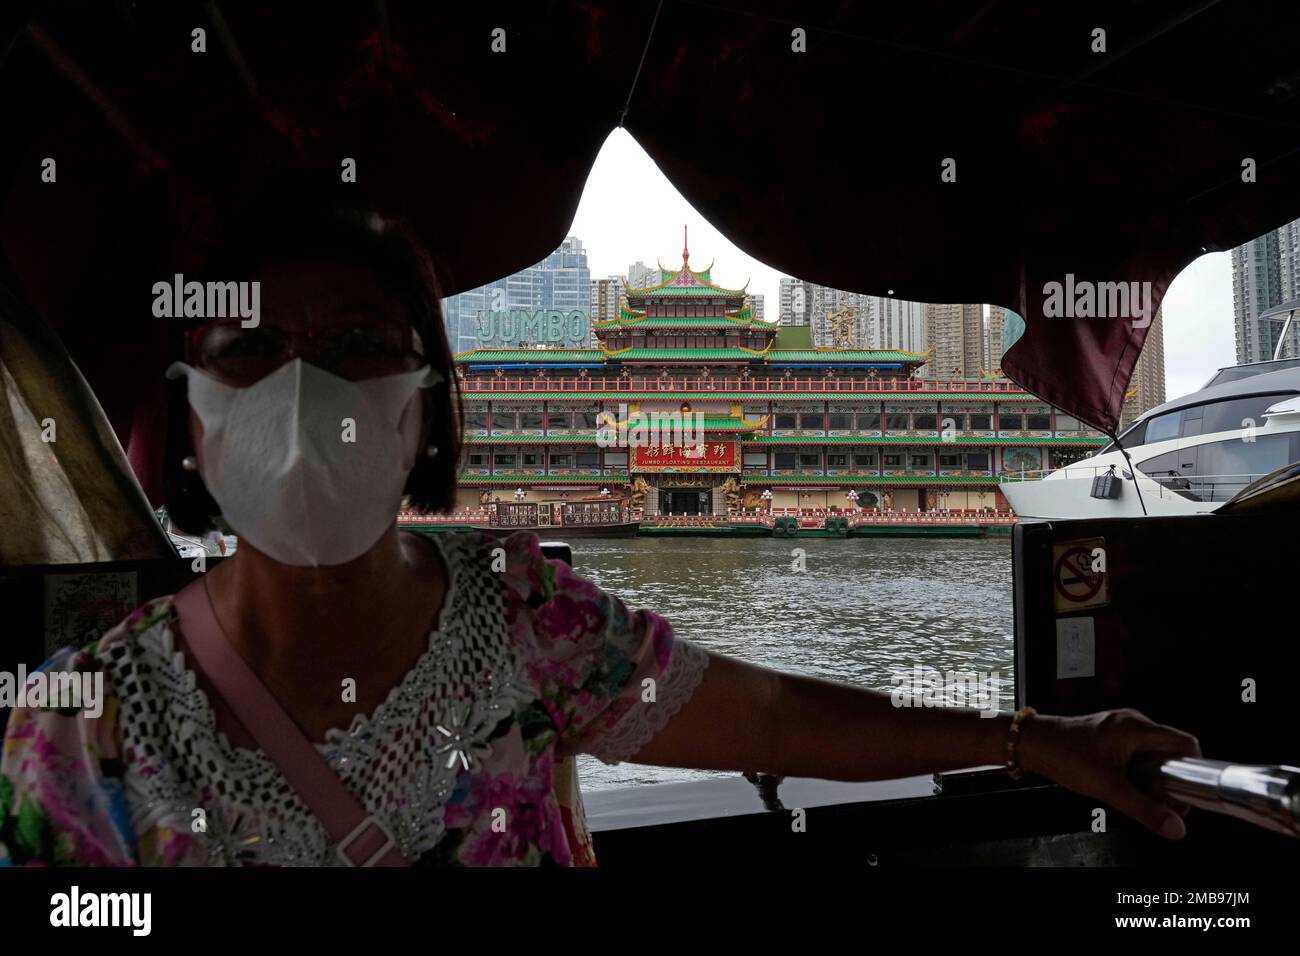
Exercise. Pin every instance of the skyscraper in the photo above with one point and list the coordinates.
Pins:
(606, 298)
(957, 340)
(1265, 273)
(994, 333)
(1146, 389)
(561, 281)
(642, 276)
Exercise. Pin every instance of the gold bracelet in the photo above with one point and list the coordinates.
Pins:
(1014, 770)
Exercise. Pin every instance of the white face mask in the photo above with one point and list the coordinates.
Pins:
(308, 467)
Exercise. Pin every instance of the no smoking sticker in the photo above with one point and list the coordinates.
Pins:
(1079, 578)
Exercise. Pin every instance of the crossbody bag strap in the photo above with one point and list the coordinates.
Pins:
(360, 839)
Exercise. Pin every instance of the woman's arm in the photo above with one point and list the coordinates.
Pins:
(745, 717)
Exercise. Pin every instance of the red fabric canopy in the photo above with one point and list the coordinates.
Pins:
(824, 162)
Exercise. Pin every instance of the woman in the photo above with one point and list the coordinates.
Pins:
(441, 678)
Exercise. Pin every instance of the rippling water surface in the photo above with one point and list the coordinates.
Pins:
(863, 610)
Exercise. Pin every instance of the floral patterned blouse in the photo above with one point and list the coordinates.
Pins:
(529, 663)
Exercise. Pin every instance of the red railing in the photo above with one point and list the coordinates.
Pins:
(848, 386)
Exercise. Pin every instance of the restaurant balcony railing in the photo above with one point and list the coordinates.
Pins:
(715, 383)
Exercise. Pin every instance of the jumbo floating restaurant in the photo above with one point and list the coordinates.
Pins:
(788, 428)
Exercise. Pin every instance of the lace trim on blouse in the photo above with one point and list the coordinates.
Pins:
(674, 687)
(177, 761)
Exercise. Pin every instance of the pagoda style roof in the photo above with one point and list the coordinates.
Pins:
(774, 396)
(530, 355)
(795, 479)
(830, 356)
(633, 319)
(1005, 440)
(684, 282)
(813, 357)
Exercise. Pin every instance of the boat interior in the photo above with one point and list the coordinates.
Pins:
(1125, 166)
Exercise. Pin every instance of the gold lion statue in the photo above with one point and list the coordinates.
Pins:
(731, 488)
(640, 487)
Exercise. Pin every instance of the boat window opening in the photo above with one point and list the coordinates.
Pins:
(501, 460)
(893, 461)
(810, 461)
(925, 421)
(920, 461)
(585, 418)
(1215, 471)
(558, 419)
(784, 459)
(476, 419)
(588, 459)
(949, 461)
(787, 421)
(977, 461)
(530, 420)
(1164, 427)
(898, 423)
(839, 422)
(864, 461)
(982, 422)
(1039, 422)
(1237, 372)
(836, 460)
(1239, 413)
(561, 461)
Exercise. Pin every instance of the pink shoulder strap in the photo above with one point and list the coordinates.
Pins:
(360, 839)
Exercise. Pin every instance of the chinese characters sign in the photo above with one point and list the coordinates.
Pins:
(706, 456)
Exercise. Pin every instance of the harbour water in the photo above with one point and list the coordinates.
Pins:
(862, 611)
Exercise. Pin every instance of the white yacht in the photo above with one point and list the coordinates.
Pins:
(1188, 456)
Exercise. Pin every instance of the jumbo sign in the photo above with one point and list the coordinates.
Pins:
(544, 325)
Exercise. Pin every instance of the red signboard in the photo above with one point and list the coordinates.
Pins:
(707, 456)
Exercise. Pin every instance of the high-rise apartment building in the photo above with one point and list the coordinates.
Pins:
(642, 276)
(1265, 273)
(561, 281)
(1146, 389)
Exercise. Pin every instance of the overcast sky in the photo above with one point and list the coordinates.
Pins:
(1197, 309)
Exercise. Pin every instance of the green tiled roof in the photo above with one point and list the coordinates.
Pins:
(683, 355)
(919, 440)
(730, 424)
(816, 357)
(694, 291)
(870, 480)
(530, 355)
(763, 396)
(587, 439)
(683, 322)
(542, 479)
(831, 356)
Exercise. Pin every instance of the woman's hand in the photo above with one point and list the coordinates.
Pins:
(1090, 754)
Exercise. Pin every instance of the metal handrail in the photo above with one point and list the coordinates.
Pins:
(1267, 796)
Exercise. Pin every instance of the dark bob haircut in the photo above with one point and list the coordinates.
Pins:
(308, 220)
